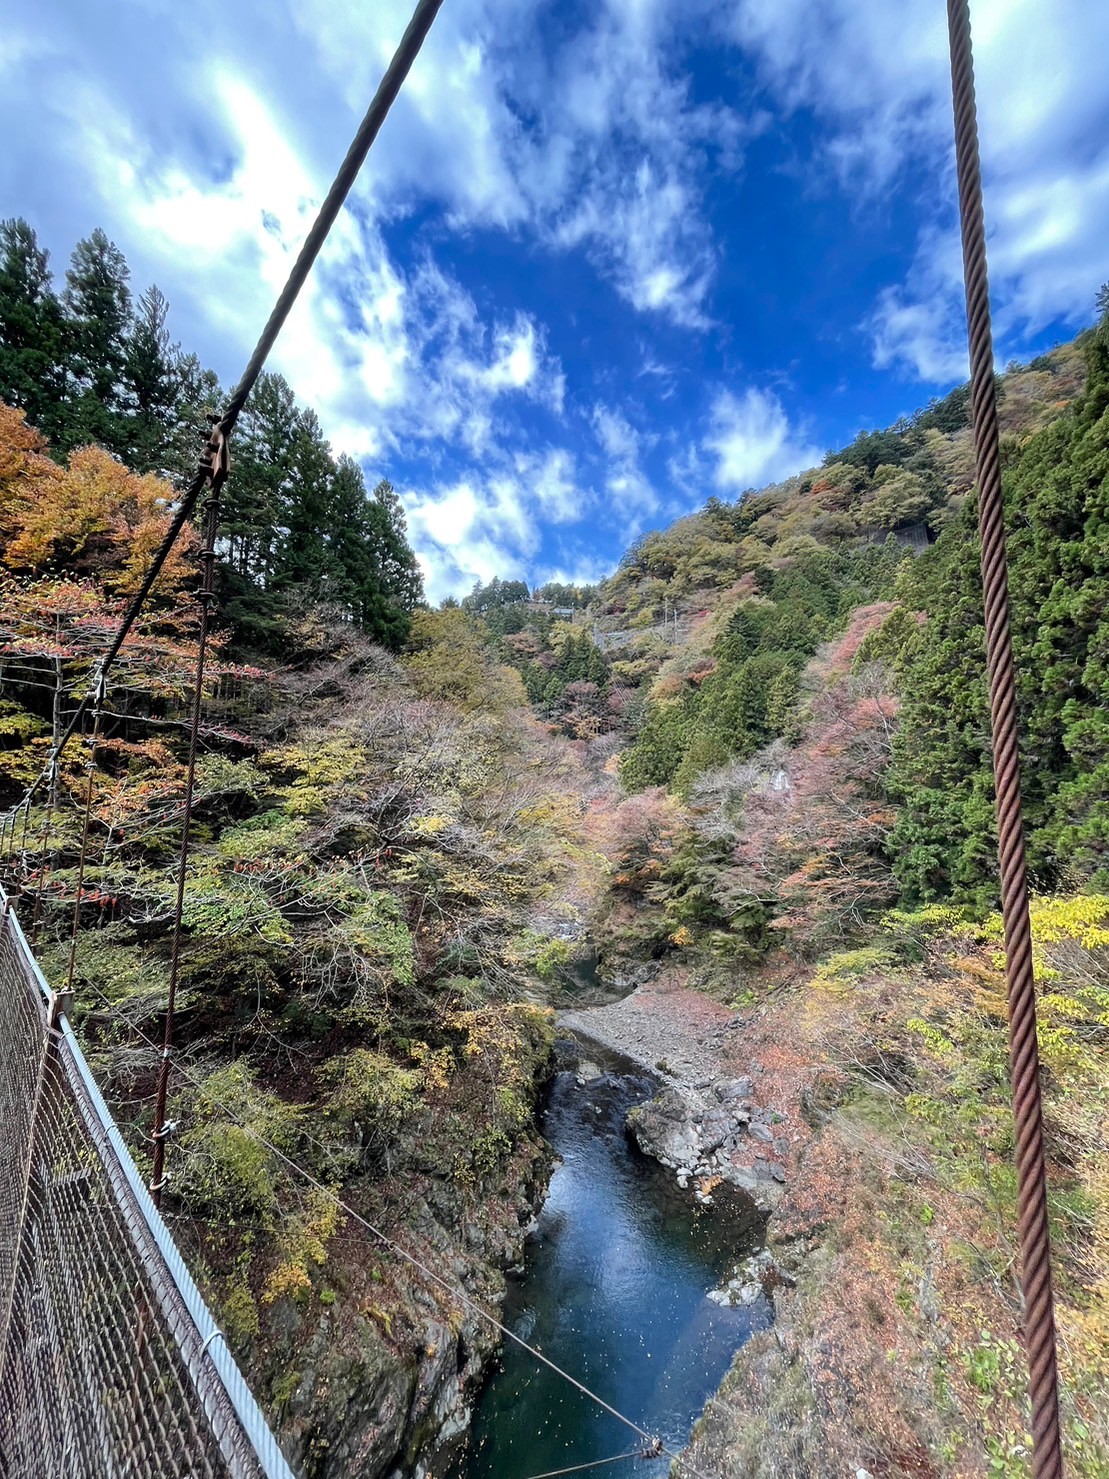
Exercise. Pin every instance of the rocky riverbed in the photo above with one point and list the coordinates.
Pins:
(712, 1126)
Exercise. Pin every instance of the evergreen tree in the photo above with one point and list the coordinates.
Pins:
(296, 527)
(32, 374)
(301, 559)
(258, 491)
(97, 305)
(397, 567)
(152, 377)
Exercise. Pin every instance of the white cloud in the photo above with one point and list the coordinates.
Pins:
(877, 77)
(381, 353)
(629, 489)
(482, 526)
(552, 483)
(595, 145)
(753, 442)
(576, 568)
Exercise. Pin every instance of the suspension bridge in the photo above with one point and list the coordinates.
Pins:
(111, 1364)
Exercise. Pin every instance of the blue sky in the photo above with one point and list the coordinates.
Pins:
(605, 260)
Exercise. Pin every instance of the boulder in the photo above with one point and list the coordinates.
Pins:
(664, 1128)
(733, 1089)
(715, 1128)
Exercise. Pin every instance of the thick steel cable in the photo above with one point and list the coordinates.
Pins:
(1047, 1457)
(390, 85)
(207, 598)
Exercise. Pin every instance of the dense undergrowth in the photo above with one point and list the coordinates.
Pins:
(387, 864)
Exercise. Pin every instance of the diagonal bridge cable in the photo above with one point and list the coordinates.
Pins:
(653, 1446)
(1033, 1234)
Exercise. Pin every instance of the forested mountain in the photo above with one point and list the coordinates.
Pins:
(722, 615)
(753, 766)
(93, 365)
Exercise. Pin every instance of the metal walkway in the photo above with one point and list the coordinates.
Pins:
(111, 1365)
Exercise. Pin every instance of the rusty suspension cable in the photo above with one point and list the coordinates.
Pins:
(1033, 1236)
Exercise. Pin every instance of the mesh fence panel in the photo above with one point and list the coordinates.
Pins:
(111, 1364)
(22, 1031)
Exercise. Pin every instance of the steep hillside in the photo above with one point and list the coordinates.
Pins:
(388, 868)
(722, 618)
(807, 835)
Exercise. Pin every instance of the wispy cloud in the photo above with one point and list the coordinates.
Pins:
(877, 77)
(752, 441)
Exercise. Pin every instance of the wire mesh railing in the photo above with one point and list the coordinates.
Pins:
(110, 1362)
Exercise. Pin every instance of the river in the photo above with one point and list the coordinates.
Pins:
(614, 1291)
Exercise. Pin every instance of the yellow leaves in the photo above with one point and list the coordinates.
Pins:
(436, 1065)
(303, 1246)
(92, 515)
(503, 1037)
(1081, 918)
(319, 762)
(430, 826)
(286, 1280)
(683, 935)
(370, 1084)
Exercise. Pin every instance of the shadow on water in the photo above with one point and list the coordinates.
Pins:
(614, 1292)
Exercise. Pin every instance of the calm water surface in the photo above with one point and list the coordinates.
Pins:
(614, 1292)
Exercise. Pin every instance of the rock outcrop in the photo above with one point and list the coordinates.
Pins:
(715, 1135)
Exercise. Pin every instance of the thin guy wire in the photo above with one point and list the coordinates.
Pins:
(85, 829)
(47, 825)
(596, 1463)
(1033, 1234)
(206, 596)
(390, 85)
(650, 1438)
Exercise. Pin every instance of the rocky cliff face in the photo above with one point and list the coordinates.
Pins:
(377, 1376)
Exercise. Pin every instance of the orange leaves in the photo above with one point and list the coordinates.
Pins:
(25, 470)
(93, 517)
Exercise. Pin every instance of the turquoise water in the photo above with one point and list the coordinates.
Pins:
(614, 1292)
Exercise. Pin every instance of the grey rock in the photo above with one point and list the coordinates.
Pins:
(736, 1088)
(664, 1128)
(714, 1129)
(760, 1132)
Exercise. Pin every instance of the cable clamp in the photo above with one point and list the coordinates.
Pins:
(158, 1185)
(169, 1128)
(216, 461)
(216, 1334)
